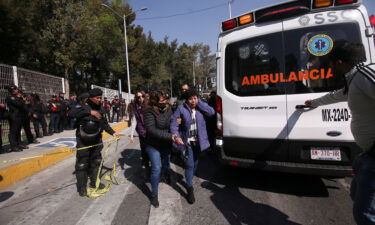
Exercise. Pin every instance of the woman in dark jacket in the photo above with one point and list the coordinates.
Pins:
(140, 127)
(158, 141)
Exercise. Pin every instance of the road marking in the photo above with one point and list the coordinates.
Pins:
(170, 208)
(58, 142)
(103, 209)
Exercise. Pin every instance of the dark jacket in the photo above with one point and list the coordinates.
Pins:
(83, 114)
(184, 112)
(157, 129)
(140, 128)
(116, 104)
(3, 114)
(16, 106)
(55, 106)
(39, 108)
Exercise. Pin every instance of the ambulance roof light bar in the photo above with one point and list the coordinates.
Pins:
(283, 10)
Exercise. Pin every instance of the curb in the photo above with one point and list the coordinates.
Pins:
(14, 173)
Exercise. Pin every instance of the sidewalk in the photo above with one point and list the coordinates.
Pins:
(13, 172)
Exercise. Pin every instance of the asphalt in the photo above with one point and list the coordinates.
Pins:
(224, 195)
(55, 148)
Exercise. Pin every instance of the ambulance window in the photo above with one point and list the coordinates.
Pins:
(306, 54)
(246, 61)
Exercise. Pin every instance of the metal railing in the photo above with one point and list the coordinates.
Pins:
(44, 85)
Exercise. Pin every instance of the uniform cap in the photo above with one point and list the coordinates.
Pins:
(12, 87)
(95, 92)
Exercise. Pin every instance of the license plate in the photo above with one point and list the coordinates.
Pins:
(322, 153)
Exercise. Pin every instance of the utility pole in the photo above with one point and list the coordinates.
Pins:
(171, 86)
(230, 8)
(119, 89)
(194, 74)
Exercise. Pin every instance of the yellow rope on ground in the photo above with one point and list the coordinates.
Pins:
(109, 177)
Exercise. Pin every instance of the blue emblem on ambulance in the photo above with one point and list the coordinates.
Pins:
(320, 45)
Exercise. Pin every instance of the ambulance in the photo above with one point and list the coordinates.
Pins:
(269, 62)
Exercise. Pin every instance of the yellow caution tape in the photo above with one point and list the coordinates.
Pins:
(55, 153)
(109, 177)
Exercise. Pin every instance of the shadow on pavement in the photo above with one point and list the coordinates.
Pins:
(6, 195)
(211, 170)
(131, 162)
(238, 209)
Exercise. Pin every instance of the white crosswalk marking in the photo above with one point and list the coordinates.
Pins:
(170, 208)
(102, 210)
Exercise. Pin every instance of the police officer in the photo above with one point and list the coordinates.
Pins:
(39, 109)
(26, 114)
(63, 112)
(3, 116)
(16, 107)
(107, 107)
(116, 104)
(55, 111)
(90, 125)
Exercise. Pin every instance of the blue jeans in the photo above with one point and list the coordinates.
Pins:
(55, 120)
(362, 190)
(191, 164)
(160, 160)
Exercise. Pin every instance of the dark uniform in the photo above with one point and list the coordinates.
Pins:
(3, 116)
(107, 107)
(72, 103)
(123, 109)
(55, 111)
(26, 120)
(39, 109)
(116, 104)
(89, 132)
(63, 123)
(16, 108)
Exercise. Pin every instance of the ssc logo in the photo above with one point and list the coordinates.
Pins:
(304, 20)
(320, 45)
(244, 52)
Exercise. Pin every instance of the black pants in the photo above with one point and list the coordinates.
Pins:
(54, 122)
(144, 155)
(107, 115)
(41, 120)
(62, 122)
(15, 126)
(87, 163)
(113, 115)
(26, 126)
(1, 139)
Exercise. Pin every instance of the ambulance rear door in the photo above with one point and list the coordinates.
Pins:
(318, 135)
(254, 111)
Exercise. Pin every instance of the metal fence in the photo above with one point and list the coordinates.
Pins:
(111, 93)
(44, 85)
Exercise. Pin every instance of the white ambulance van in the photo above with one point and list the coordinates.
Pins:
(269, 61)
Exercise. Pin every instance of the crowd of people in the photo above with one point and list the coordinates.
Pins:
(22, 109)
(185, 128)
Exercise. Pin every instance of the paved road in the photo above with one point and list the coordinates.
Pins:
(224, 196)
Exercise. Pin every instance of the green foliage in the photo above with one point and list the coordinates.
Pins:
(84, 42)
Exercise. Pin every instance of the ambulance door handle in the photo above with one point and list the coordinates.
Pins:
(303, 107)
